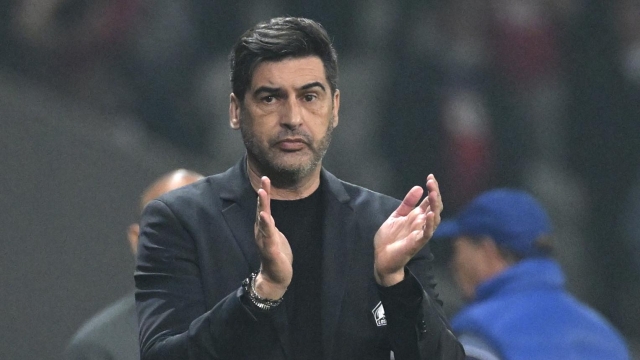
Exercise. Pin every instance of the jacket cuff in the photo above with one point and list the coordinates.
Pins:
(407, 294)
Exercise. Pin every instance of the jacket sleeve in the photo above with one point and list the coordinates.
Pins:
(418, 328)
(174, 322)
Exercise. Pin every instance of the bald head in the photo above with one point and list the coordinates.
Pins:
(167, 182)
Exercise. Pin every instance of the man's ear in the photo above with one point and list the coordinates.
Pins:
(489, 247)
(336, 107)
(494, 256)
(132, 234)
(234, 112)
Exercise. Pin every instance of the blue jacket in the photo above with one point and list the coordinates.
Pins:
(526, 313)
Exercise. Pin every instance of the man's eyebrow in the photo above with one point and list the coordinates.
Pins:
(313, 84)
(266, 89)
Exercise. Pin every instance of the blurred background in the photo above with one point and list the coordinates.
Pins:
(99, 97)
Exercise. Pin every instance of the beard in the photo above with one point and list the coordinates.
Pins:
(270, 161)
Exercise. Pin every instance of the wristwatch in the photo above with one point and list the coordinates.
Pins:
(249, 285)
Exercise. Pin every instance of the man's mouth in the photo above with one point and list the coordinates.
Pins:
(291, 144)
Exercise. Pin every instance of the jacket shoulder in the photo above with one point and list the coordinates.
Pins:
(363, 198)
(113, 326)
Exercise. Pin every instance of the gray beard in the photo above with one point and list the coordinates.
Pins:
(281, 176)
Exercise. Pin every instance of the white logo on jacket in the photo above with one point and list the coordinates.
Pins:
(378, 315)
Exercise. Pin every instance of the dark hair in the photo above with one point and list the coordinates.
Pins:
(542, 247)
(277, 39)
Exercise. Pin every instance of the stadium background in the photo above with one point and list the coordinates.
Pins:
(97, 98)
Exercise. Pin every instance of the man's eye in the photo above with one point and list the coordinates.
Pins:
(269, 99)
(310, 97)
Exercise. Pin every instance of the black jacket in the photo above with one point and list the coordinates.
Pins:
(197, 245)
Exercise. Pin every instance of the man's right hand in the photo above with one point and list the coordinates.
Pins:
(275, 253)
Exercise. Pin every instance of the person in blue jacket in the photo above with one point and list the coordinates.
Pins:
(518, 306)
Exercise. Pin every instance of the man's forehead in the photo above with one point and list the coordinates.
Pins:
(289, 72)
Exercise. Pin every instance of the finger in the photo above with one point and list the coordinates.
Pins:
(266, 226)
(435, 199)
(429, 226)
(261, 227)
(258, 209)
(409, 202)
(424, 205)
(257, 231)
(433, 192)
(265, 184)
(432, 187)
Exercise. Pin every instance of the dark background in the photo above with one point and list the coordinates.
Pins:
(98, 98)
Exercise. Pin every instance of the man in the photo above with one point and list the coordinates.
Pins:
(276, 258)
(519, 307)
(113, 333)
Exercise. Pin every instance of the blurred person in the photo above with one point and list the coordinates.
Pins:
(518, 307)
(113, 332)
(277, 258)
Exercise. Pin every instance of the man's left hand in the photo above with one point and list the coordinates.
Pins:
(405, 232)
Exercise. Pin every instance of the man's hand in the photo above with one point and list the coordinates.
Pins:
(275, 253)
(405, 232)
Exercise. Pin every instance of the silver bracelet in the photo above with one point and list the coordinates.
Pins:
(250, 288)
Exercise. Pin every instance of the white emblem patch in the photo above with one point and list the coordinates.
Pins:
(378, 315)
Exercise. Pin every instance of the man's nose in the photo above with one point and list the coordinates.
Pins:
(291, 115)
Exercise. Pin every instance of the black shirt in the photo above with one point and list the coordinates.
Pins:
(301, 223)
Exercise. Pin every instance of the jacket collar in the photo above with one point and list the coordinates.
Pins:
(339, 230)
(527, 274)
(239, 201)
(236, 186)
